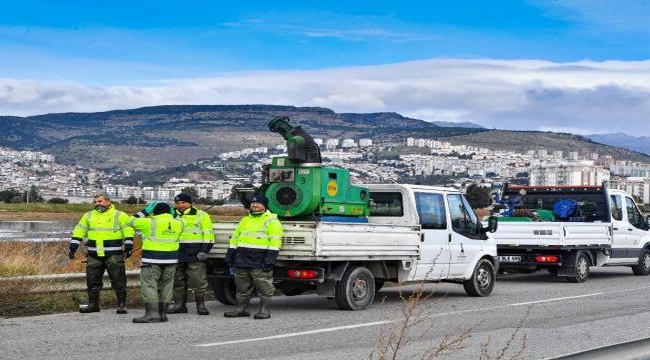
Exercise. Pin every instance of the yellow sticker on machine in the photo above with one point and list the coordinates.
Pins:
(332, 188)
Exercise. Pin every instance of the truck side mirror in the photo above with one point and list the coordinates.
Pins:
(493, 223)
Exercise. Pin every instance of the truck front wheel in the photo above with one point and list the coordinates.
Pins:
(356, 289)
(643, 266)
(482, 281)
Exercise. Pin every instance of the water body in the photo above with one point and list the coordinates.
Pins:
(59, 230)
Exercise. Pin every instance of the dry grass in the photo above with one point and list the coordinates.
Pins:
(23, 258)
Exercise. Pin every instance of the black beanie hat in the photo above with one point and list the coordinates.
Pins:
(183, 197)
(261, 199)
(162, 208)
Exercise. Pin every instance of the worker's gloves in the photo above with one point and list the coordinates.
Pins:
(126, 254)
(71, 254)
(267, 267)
(201, 256)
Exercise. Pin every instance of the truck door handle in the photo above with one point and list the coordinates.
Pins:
(615, 228)
(630, 229)
(449, 237)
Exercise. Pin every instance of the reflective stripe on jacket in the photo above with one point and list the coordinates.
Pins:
(257, 240)
(197, 235)
(160, 236)
(106, 232)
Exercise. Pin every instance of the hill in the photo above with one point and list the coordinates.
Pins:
(159, 137)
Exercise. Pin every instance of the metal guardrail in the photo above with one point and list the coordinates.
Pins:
(631, 350)
(67, 282)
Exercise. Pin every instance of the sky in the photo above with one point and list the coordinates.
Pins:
(578, 66)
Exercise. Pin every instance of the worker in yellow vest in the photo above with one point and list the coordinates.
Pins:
(109, 241)
(160, 238)
(196, 241)
(253, 252)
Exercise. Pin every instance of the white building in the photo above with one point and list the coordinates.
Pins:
(582, 173)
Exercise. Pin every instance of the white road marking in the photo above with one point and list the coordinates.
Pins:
(297, 334)
(556, 299)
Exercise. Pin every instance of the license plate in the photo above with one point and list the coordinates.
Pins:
(510, 258)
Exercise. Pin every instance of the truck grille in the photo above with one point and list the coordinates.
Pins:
(293, 240)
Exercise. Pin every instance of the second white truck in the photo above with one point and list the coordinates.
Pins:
(568, 229)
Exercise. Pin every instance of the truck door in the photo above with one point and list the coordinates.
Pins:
(636, 228)
(434, 249)
(465, 241)
(624, 233)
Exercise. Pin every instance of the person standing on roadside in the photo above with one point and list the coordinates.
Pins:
(109, 241)
(195, 244)
(253, 252)
(160, 235)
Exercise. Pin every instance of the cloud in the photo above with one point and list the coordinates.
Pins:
(586, 97)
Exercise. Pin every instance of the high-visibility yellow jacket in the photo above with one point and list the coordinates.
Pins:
(105, 232)
(256, 241)
(160, 238)
(197, 235)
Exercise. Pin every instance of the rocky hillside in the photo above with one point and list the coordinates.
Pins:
(165, 136)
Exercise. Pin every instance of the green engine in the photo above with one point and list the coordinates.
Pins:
(298, 186)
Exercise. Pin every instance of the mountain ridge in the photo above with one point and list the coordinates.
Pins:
(156, 137)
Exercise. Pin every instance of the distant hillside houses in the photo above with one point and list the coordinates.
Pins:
(467, 164)
(544, 167)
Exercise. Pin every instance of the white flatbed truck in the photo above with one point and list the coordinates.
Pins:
(413, 234)
(604, 228)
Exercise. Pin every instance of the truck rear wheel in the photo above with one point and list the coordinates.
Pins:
(356, 289)
(581, 273)
(482, 281)
(224, 291)
(643, 266)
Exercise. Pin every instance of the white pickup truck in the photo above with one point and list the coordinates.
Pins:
(568, 229)
(413, 234)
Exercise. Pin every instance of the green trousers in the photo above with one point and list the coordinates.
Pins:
(190, 275)
(114, 265)
(248, 279)
(157, 282)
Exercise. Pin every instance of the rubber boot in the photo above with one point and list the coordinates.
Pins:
(200, 305)
(93, 303)
(179, 306)
(241, 311)
(150, 314)
(162, 311)
(121, 302)
(265, 309)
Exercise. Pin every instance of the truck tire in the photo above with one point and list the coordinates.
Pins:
(643, 266)
(356, 289)
(224, 291)
(581, 272)
(482, 281)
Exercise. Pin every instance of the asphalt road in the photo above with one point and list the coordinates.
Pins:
(527, 317)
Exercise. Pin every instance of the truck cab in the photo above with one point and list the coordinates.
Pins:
(629, 228)
(452, 237)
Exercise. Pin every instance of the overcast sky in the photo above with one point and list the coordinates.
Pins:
(580, 66)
